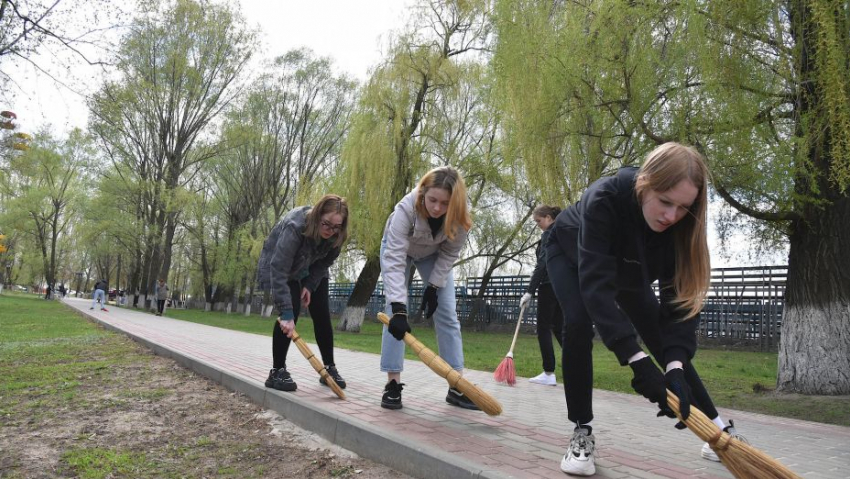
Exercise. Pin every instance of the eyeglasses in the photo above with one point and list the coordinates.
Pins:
(331, 227)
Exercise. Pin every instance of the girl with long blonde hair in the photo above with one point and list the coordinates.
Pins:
(426, 230)
(603, 255)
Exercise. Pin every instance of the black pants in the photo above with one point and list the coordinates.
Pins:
(160, 305)
(549, 321)
(321, 314)
(641, 307)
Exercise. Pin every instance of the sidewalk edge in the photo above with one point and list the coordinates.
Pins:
(364, 439)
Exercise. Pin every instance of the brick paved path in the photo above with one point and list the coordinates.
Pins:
(429, 438)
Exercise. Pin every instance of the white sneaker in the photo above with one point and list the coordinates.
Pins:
(578, 460)
(547, 379)
(708, 453)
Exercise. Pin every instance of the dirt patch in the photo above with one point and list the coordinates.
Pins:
(148, 417)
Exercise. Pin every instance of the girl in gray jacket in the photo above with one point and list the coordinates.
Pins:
(294, 265)
(427, 229)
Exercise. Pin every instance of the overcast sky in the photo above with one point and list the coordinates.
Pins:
(352, 33)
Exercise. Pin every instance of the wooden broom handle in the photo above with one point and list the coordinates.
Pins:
(516, 332)
(317, 365)
(484, 401)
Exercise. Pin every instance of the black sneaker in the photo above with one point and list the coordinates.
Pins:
(283, 381)
(334, 374)
(392, 395)
(457, 398)
(270, 379)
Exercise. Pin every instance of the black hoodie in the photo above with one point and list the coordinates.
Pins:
(607, 238)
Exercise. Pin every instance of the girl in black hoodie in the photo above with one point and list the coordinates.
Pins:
(603, 254)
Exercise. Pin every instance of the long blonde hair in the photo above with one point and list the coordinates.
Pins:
(449, 179)
(664, 168)
(327, 204)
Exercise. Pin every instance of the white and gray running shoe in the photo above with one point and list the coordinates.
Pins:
(578, 460)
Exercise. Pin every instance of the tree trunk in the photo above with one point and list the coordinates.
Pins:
(249, 298)
(168, 246)
(355, 309)
(814, 350)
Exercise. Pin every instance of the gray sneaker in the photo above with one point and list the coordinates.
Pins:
(578, 459)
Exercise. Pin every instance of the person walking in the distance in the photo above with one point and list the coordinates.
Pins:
(549, 315)
(604, 253)
(99, 294)
(427, 229)
(294, 264)
(161, 296)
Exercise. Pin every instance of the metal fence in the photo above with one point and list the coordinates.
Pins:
(743, 308)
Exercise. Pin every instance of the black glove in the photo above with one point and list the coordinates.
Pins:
(429, 301)
(398, 323)
(649, 383)
(675, 381)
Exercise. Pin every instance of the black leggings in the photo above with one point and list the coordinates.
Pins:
(549, 321)
(160, 305)
(321, 314)
(577, 348)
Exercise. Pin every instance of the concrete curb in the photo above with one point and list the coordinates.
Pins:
(366, 440)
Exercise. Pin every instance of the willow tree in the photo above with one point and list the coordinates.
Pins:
(176, 71)
(761, 87)
(383, 152)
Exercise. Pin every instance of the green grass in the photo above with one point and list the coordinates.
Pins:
(98, 463)
(736, 379)
(57, 373)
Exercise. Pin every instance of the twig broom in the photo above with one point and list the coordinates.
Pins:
(743, 460)
(484, 401)
(317, 365)
(506, 372)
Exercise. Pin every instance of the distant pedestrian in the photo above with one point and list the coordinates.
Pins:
(62, 290)
(47, 290)
(99, 294)
(549, 315)
(294, 264)
(161, 296)
(427, 229)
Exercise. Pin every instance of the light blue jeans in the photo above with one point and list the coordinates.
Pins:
(98, 294)
(446, 324)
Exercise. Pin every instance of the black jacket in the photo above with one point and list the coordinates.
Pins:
(614, 250)
(540, 275)
(288, 255)
(102, 284)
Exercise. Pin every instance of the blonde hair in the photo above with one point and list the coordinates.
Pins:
(664, 168)
(449, 179)
(327, 204)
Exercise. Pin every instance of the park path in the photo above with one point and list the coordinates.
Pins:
(430, 439)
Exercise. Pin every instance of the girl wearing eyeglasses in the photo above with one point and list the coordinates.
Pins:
(294, 264)
(427, 229)
(603, 255)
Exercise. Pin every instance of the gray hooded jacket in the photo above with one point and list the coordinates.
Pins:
(408, 235)
(288, 255)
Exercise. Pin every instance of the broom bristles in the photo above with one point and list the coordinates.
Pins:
(742, 459)
(506, 372)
